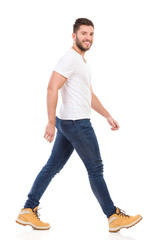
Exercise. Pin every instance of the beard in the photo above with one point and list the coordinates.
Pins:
(80, 46)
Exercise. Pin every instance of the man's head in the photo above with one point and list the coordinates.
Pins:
(83, 32)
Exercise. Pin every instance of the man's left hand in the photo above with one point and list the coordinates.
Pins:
(113, 123)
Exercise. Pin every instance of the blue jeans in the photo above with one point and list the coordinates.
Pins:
(78, 135)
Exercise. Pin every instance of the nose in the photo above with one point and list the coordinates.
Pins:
(88, 38)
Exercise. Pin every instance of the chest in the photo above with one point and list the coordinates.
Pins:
(81, 73)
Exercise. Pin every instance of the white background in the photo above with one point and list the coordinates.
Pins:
(125, 61)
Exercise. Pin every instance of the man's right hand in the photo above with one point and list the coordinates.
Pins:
(49, 132)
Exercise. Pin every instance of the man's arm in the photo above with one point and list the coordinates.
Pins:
(55, 83)
(99, 108)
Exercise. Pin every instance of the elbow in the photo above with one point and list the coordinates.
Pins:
(51, 89)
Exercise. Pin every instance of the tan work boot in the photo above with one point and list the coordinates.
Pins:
(30, 217)
(121, 220)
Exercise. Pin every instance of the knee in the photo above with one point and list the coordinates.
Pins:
(95, 170)
(51, 170)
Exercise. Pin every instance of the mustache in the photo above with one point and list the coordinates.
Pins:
(87, 41)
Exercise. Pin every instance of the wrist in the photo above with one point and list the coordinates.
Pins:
(107, 116)
(52, 122)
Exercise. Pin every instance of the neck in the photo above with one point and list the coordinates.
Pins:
(78, 50)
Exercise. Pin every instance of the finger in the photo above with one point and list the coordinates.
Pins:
(113, 124)
(47, 136)
(117, 125)
(51, 139)
(115, 128)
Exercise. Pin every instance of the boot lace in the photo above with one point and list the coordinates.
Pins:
(37, 214)
(123, 213)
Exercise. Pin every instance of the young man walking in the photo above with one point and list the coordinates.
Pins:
(74, 131)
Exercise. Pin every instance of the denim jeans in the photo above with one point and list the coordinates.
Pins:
(78, 135)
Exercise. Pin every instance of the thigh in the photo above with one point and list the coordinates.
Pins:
(62, 150)
(86, 144)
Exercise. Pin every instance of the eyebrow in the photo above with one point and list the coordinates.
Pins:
(86, 32)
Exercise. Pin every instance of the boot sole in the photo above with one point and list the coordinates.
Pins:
(31, 224)
(126, 226)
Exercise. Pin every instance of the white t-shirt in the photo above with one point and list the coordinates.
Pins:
(76, 91)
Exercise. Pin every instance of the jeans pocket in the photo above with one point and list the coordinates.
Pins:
(85, 123)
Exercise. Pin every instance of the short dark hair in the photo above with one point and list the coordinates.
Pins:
(82, 21)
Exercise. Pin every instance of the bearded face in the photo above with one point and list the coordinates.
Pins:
(84, 37)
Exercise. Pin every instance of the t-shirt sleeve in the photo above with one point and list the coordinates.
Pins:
(64, 66)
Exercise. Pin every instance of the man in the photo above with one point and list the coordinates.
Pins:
(74, 131)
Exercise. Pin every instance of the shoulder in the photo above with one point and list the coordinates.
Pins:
(65, 65)
(68, 56)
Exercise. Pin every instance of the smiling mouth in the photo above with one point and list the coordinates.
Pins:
(87, 43)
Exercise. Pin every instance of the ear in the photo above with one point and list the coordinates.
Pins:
(74, 36)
